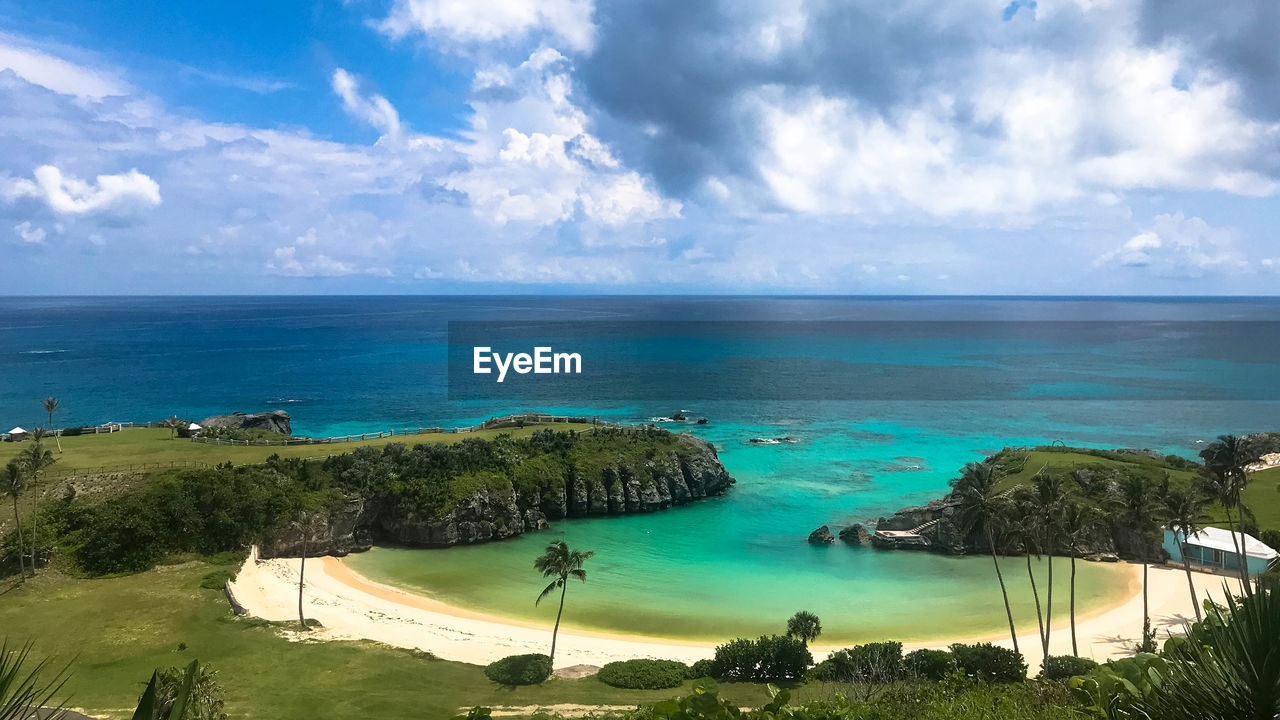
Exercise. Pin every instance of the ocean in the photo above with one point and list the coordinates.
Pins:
(885, 397)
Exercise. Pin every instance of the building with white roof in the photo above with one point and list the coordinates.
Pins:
(1213, 547)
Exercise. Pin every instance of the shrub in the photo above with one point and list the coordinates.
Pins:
(879, 662)
(930, 664)
(772, 657)
(519, 669)
(644, 674)
(991, 663)
(217, 579)
(701, 669)
(1061, 667)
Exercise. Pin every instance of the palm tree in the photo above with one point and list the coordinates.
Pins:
(1226, 459)
(14, 481)
(1049, 497)
(804, 625)
(1024, 524)
(1137, 500)
(1183, 508)
(303, 522)
(1082, 523)
(26, 686)
(561, 563)
(51, 406)
(174, 425)
(980, 509)
(34, 460)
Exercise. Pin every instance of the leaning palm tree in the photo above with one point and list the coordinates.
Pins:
(1226, 459)
(980, 509)
(51, 406)
(35, 459)
(1082, 524)
(15, 478)
(1184, 508)
(560, 563)
(1024, 524)
(804, 625)
(1137, 501)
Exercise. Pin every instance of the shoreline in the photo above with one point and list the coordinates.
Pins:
(353, 607)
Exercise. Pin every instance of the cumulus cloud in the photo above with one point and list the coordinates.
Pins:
(67, 194)
(1178, 246)
(566, 22)
(373, 110)
(28, 233)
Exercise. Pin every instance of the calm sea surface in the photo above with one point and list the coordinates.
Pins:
(1161, 374)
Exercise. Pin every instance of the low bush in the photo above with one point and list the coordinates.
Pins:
(772, 657)
(644, 674)
(519, 669)
(1061, 667)
(879, 662)
(217, 579)
(930, 664)
(991, 663)
(701, 669)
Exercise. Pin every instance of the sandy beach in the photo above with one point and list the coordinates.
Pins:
(351, 607)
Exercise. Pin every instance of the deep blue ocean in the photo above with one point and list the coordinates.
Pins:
(886, 398)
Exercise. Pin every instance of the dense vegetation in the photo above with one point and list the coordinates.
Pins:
(519, 669)
(644, 674)
(226, 508)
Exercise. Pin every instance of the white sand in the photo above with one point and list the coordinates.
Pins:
(353, 607)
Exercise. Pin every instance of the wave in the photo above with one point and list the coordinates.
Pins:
(41, 352)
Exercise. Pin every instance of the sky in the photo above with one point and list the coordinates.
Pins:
(1058, 147)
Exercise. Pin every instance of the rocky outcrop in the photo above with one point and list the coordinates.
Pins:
(276, 421)
(821, 536)
(856, 534)
(689, 472)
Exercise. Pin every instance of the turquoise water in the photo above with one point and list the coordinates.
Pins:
(927, 385)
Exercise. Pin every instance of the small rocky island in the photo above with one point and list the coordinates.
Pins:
(437, 495)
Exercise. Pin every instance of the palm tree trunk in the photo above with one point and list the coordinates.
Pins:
(1146, 617)
(35, 538)
(22, 565)
(1035, 592)
(1231, 528)
(302, 572)
(564, 585)
(1048, 603)
(1013, 634)
(1074, 650)
(56, 435)
(1186, 565)
(1244, 561)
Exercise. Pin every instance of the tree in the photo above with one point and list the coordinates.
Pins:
(51, 406)
(560, 563)
(34, 460)
(14, 482)
(980, 509)
(1024, 524)
(1137, 500)
(303, 522)
(804, 625)
(174, 425)
(1082, 523)
(1183, 508)
(1047, 502)
(1226, 459)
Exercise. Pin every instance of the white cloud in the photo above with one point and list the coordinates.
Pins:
(67, 194)
(471, 22)
(1178, 246)
(55, 73)
(373, 110)
(29, 233)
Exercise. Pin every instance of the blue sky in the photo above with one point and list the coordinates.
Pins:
(441, 146)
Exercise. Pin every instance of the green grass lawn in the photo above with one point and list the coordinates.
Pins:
(116, 631)
(1262, 496)
(139, 446)
(1038, 460)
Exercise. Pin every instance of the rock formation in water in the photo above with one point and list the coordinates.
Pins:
(649, 470)
(276, 421)
(855, 534)
(821, 536)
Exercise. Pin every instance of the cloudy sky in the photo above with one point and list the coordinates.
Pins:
(455, 146)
